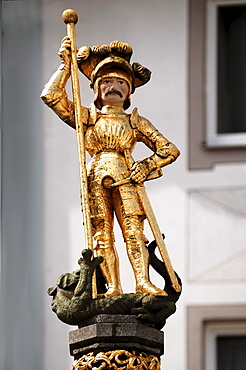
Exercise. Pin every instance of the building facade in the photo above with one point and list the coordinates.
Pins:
(200, 203)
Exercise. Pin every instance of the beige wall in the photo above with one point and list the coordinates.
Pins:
(201, 212)
(150, 27)
(158, 31)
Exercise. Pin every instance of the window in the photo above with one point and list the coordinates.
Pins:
(225, 345)
(231, 353)
(216, 334)
(211, 142)
(226, 74)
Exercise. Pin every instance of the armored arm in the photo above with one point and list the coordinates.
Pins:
(165, 152)
(54, 94)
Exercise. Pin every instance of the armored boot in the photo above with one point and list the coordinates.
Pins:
(110, 270)
(139, 257)
(110, 266)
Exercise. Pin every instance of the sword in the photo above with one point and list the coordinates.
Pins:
(145, 202)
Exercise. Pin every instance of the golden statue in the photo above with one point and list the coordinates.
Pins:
(114, 180)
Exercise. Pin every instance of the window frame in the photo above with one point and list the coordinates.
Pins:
(197, 319)
(215, 329)
(213, 138)
(201, 156)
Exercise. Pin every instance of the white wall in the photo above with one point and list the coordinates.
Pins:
(158, 33)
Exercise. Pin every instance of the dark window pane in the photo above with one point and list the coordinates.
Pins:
(231, 353)
(231, 69)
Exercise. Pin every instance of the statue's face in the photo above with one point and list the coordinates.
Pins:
(113, 91)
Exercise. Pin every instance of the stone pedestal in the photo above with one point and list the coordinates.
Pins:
(119, 338)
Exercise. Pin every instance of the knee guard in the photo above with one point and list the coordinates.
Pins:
(103, 234)
(133, 231)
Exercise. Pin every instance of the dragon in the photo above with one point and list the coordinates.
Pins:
(73, 301)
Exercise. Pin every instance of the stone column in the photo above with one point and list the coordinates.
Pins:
(116, 341)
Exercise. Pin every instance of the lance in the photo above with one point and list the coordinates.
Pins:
(144, 200)
(70, 17)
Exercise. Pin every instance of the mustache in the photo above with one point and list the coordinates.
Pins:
(114, 92)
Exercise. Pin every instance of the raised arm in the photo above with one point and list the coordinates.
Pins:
(54, 94)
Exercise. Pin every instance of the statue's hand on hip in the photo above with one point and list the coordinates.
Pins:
(140, 171)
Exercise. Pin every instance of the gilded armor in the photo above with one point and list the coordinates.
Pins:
(110, 136)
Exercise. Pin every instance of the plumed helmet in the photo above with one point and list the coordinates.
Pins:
(111, 60)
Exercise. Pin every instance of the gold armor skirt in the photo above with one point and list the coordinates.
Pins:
(111, 164)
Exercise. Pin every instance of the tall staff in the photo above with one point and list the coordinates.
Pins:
(70, 17)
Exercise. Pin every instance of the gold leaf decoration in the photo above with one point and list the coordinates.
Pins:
(117, 360)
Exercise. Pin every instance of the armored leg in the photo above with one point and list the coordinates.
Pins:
(110, 266)
(139, 255)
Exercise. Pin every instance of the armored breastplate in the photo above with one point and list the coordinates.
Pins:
(111, 132)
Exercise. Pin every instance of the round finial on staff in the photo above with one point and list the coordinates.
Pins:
(70, 16)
